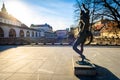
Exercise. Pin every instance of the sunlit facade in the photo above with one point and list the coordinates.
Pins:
(106, 28)
(106, 32)
(12, 30)
(44, 27)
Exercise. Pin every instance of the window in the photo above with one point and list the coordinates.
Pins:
(1, 32)
(12, 33)
(21, 33)
(39, 34)
(32, 34)
(28, 34)
(4, 21)
(36, 34)
(0, 20)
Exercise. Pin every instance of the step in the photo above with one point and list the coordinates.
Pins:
(86, 69)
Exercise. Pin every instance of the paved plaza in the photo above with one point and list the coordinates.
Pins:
(55, 62)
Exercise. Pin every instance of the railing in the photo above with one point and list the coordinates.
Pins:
(107, 41)
(27, 40)
(17, 40)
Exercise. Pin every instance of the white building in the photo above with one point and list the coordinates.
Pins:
(42, 27)
(62, 34)
(11, 28)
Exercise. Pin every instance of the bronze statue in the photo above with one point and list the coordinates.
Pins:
(84, 32)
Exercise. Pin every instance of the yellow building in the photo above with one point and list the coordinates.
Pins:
(106, 28)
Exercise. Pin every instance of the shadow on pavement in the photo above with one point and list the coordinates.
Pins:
(5, 47)
(102, 74)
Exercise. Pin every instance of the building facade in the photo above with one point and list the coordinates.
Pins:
(12, 30)
(62, 34)
(106, 32)
(42, 27)
(48, 36)
(106, 28)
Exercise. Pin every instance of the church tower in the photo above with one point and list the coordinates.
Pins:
(3, 9)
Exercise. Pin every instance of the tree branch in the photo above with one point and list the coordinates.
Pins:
(116, 2)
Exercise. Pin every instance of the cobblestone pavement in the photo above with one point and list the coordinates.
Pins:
(55, 62)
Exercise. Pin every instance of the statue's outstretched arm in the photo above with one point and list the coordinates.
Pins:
(86, 9)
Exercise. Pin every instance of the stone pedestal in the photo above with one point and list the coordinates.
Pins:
(85, 69)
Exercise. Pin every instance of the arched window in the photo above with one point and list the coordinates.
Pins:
(12, 33)
(28, 34)
(1, 32)
(21, 33)
(32, 34)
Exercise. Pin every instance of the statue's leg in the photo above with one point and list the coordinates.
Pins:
(82, 45)
(79, 51)
(82, 48)
(75, 46)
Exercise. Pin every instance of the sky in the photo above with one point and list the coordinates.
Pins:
(57, 13)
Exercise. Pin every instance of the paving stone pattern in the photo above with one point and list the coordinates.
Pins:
(53, 62)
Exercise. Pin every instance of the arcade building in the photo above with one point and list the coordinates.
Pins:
(12, 31)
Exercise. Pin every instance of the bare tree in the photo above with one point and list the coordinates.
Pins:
(110, 9)
(89, 6)
(113, 8)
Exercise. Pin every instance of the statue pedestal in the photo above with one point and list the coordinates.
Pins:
(83, 68)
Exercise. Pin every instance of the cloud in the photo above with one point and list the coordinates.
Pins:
(58, 15)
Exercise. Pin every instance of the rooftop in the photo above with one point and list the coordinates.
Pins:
(4, 14)
(41, 25)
